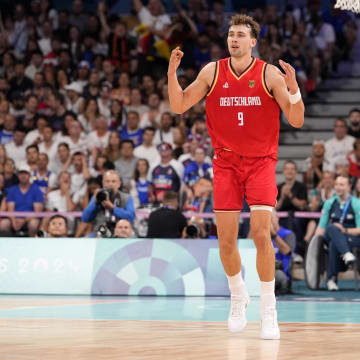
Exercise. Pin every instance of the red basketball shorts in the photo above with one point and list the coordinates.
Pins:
(236, 176)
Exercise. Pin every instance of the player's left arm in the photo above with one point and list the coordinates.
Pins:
(286, 91)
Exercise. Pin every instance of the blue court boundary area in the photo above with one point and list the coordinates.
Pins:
(300, 292)
(161, 308)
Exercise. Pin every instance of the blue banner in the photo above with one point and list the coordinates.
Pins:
(119, 266)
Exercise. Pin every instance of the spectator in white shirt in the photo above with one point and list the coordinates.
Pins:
(74, 101)
(16, 148)
(36, 136)
(48, 145)
(165, 132)
(104, 101)
(136, 102)
(35, 66)
(62, 199)
(338, 146)
(153, 116)
(147, 150)
(153, 15)
(77, 140)
(99, 138)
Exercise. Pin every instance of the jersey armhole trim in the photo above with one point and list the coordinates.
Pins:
(264, 82)
(216, 75)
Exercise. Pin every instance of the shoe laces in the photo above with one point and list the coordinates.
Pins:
(238, 306)
(269, 317)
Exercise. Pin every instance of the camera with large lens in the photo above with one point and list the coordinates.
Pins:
(192, 231)
(102, 195)
(104, 231)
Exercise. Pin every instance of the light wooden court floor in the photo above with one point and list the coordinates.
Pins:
(52, 327)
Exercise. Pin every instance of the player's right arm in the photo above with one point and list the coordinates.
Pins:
(181, 100)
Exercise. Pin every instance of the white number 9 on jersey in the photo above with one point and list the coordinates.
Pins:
(241, 119)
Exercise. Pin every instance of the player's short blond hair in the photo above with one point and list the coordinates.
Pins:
(242, 19)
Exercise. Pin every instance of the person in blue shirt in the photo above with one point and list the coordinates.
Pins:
(132, 130)
(340, 226)
(23, 197)
(7, 133)
(197, 169)
(284, 241)
(107, 211)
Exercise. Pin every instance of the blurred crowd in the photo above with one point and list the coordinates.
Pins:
(83, 95)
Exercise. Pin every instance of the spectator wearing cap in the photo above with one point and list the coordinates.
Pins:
(7, 133)
(354, 123)
(83, 73)
(338, 146)
(35, 66)
(197, 169)
(132, 130)
(20, 82)
(165, 131)
(74, 101)
(16, 148)
(104, 101)
(166, 175)
(23, 197)
(314, 164)
(147, 150)
(126, 164)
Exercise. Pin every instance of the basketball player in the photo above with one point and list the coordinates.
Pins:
(244, 96)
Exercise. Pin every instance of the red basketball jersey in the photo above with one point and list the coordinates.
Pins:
(241, 114)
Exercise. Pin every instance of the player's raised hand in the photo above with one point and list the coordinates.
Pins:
(289, 76)
(175, 59)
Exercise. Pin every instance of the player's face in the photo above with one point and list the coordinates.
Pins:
(240, 41)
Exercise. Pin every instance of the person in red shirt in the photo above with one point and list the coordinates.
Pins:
(354, 160)
(244, 96)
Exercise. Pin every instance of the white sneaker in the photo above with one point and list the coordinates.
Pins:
(237, 317)
(331, 285)
(349, 258)
(269, 325)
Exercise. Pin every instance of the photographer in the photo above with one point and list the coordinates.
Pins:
(109, 204)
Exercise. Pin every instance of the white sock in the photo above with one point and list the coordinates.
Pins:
(237, 285)
(267, 294)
